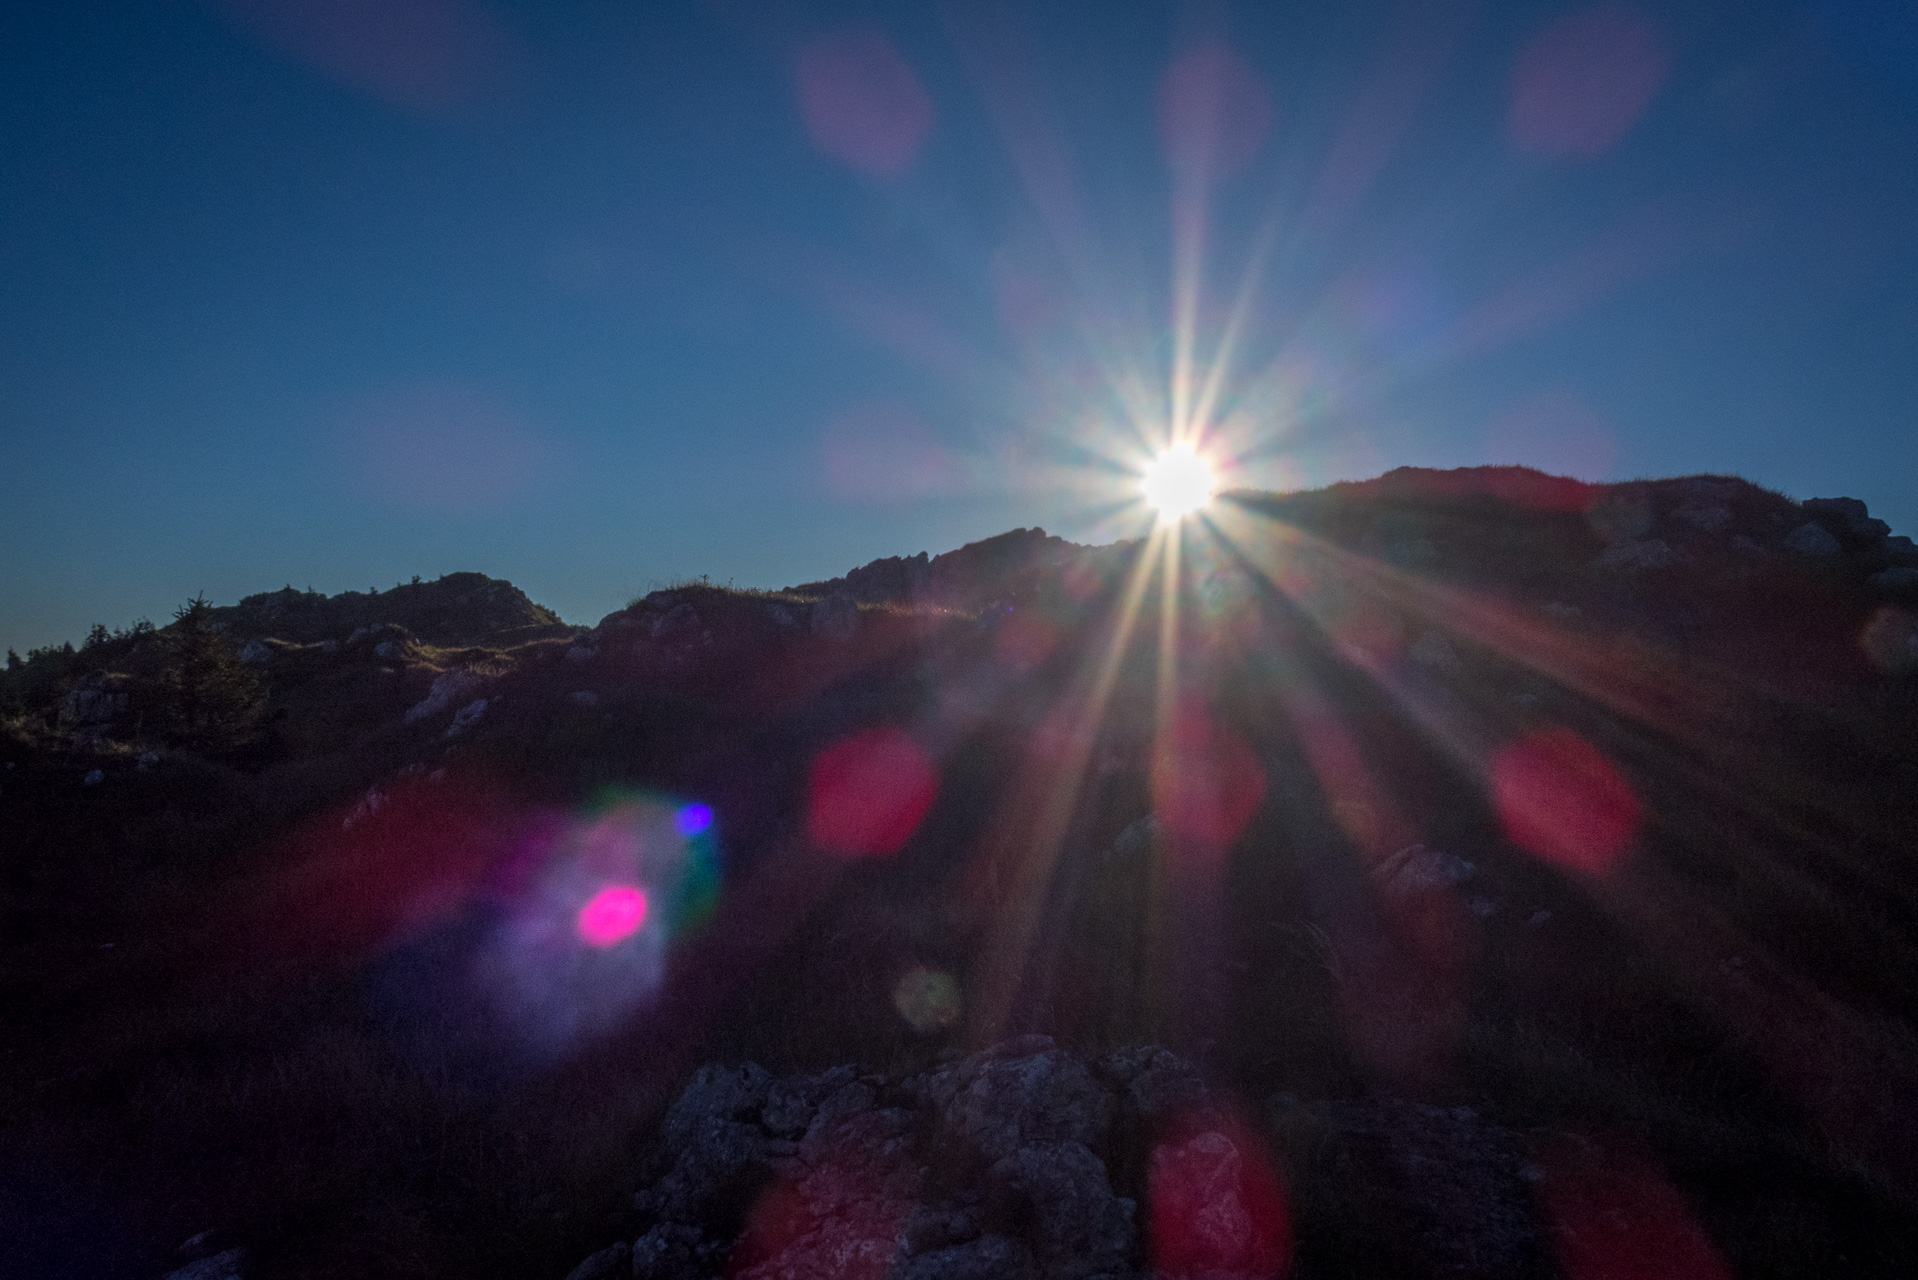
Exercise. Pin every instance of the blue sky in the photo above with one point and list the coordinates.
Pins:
(594, 295)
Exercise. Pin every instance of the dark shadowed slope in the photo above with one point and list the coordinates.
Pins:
(1518, 874)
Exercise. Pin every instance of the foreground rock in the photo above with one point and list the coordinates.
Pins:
(1027, 1162)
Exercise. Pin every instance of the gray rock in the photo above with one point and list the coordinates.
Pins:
(449, 688)
(583, 698)
(671, 1251)
(220, 1266)
(1636, 554)
(681, 622)
(94, 778)
(1156, 1083)
(387, 650)
(1623, 514)
(1079, 1228)
(716, 1092)
(466, 717)
(610, 1261)
(147, 760)
(87, 705)
(1812, 539)
(836, 617)
(1848, 514)
(792, 1102)
(257, 652)
(580, 651)
(782, 616)
(987, 1258)
(1006, 1103)
(329, 646)
(1708, 516)
(1225, 1235)
(1416, 870)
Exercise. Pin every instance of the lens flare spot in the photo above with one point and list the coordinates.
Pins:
(1617, 1218)
(1582, 82)
(1024, 640)
(693, 819)
(868, 794)
(1178, 482)
(927, 999)
(1206, 783)
(1214, 111)
(1217, 1208)
(612, 915)
(863, 104)
(1558, 798)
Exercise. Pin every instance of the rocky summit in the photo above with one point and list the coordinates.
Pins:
(1466, 873)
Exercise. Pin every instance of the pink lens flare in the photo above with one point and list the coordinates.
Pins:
(1213, 113)
(1206, 783)
(869, 793)
(1583, 82)
(1218, 1207)
(1560, 799)
(612, 915)
(863, 104)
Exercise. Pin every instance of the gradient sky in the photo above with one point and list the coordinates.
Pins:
(591, 295)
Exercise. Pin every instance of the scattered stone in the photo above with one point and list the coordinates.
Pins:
(679, 623)
(583, 698)
(89, 705)
(836, 617)
(329, 646)
(1636, 554)
(1812, 539)
(1623, 514)
(674, 1252)
(371, 803)
(147, 760)
(466, 717)
(387, 650)
(94, 778)
(580, 651)
(1708, 516)
(1416, 870)
(221, 1266)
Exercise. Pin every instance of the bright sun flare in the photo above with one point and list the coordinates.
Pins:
(1178, 482)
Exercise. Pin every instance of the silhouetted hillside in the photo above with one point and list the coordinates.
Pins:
(1455, 873)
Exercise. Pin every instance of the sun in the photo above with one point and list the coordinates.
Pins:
(1178, 482)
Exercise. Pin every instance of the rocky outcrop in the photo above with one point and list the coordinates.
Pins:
(992, 1165)
(457, 609)
(1001, 1166)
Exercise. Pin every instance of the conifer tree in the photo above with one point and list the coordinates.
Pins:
(213, 699)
